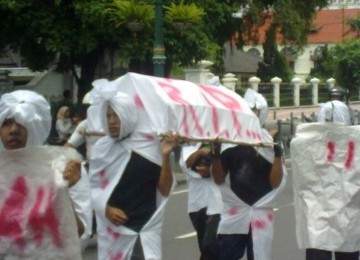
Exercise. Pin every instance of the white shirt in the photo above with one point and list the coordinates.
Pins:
(334, 111)
(203, 192)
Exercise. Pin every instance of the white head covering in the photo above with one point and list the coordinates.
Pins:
(29, 109)
(121, 103)
(214, 81)
(258, 101)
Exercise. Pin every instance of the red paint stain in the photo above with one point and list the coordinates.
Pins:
(198, 127)
(149, 137)
(237, 124)
(232, 211)
(12, 212)
(350, 155)
(104, 181)
(138, 102)
(227, 134)
(259, 224)
(215, 119)
(172, 91)
(42, 219)
(270, 217)
(112, 233)
(184, 122)
(331, 151)
(116, 256)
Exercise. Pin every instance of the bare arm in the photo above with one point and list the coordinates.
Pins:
(196, 155)
(203, 170)
(167, 144)
(72, 174)
(115, 215)
(276, 173)
(67, 144)
(217, 171)
(217, 168)
(79, 223)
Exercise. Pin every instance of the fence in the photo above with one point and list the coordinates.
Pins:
(296, 93)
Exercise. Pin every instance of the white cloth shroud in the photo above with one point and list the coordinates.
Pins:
(237, 216)
(119, 241)
(327, 186)
(36, 216)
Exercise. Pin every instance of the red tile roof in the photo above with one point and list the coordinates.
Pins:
(331, 26)
(328, 23)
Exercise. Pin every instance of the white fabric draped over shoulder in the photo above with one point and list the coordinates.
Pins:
(29, 109)
(237, 216)
(109, 159)
(203, 192)
(258, 101)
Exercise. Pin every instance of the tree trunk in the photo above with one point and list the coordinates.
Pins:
(88, 69)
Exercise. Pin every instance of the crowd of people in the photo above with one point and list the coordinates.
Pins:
(123, 184)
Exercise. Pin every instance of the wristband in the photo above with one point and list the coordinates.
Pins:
(278, 150)
(216, 150)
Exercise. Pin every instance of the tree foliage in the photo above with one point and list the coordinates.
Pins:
(274, 64)
(342, 62)
(76, 33)
(346, 57)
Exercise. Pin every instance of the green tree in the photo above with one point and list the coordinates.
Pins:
(75, 33)
(274, 64)
(346, 57)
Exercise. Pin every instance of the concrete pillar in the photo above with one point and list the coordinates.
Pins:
(276, 82)
(229, 81)
(199, 72)
(315, 90)
(296, 81)
(254, 83)
(331, 82)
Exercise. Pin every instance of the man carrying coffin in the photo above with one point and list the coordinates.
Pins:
(37, 219)
(250, 179)
(131, 179)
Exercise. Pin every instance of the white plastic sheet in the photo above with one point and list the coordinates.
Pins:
(327, 186)
(36, 216)
(193, 110)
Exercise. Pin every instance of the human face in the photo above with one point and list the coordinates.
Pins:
(113, 122)
(256, 111)
(13, 135)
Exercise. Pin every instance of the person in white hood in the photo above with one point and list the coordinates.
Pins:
(250, 178)
(25, 123)
(130, 179)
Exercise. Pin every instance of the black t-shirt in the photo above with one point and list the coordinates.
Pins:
(249, 173)
(135, 193)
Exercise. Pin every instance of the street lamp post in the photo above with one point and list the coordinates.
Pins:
(159, 57)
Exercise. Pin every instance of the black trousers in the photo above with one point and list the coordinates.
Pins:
(138, 253)
(318, 254)
(206, 228)
(233, 247)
